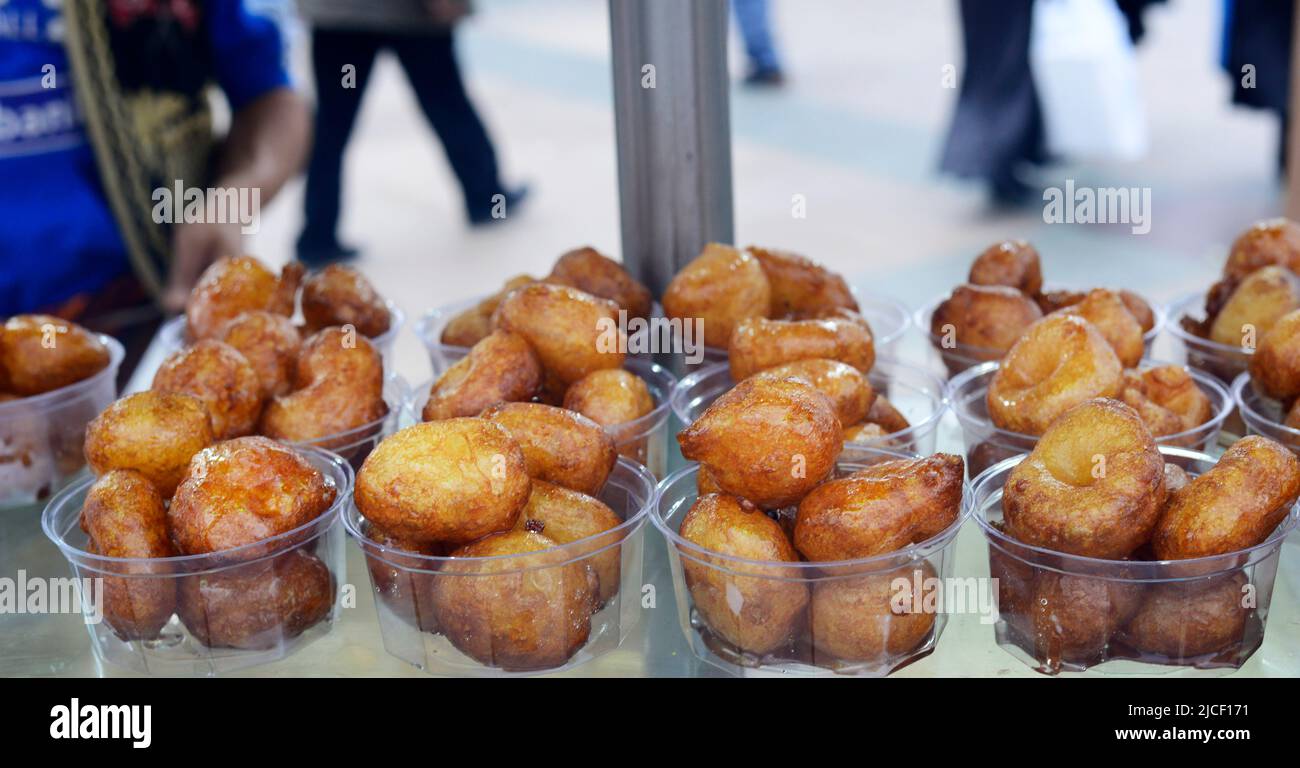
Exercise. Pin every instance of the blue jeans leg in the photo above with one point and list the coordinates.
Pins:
(753, 17)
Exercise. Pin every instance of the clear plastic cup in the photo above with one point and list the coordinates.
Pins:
(355, 444)
(958, 357)
(1068, 613)
(643, 440)
(415, 593)
(233, 609)
(889, 320)
(914, 391)
(1222, 361)
(804, 618)
(1263, 415)
(986, 444)
(41, 436)
(174, 335)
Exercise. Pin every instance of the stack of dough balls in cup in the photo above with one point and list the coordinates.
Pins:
(503, 475)
(1275, 367)
(769, 491)
(782, 313)
(40, 354)
(1003, 297)
(558, 341)
(1259, 286)
(1067, 358)
(166, 486)
(1096, 486)
(257, 372)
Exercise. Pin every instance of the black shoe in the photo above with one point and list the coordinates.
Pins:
(483, 216)
(320, 256)
(767, 77)
(1006, 191)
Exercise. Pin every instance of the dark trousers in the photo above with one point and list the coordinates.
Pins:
(431, 68)
(997, 123)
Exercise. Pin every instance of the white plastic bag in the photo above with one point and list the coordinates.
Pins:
(1086, 75)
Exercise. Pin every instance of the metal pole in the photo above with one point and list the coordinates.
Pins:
(673, 125)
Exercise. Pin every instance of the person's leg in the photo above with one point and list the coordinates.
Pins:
(338, 97)
(430, 64)
(754, 19)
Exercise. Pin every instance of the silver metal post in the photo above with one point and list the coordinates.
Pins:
(673, 122)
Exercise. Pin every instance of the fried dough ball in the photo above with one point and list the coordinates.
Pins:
(886, 416)
(529, 611)
(1168, 399)
(41, 353)
(1052, 301)
(560, 446)
(572, 332)
(1060, 362)
(1093, 485)
(1275, 366)
(259, 605)
(471, 326)
(871, 617)
(245, 490)
(1182, 619)
(1259, 300)
(880, 509)
(801, 288)
(219, 377)
(985, 317)
(125, 517)
(846, 386)
(500, 368)
(722, 286)
(451, 481)
(757, 608)
(1013, 263)
(1176, 479)
(758, 344)
(270, 343)
(589, 271)
(1275, 242)
(154, 433)
(864, 432)
(1108, 314)
(610, 397)
(1139, 309)
(340, 295)
(1074, 617)
(231, 286)
(566, 516)
(766, 440)
(1234, 505)
(400, 577)
(338, 387)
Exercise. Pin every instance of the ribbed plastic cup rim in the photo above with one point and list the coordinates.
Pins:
(886, 561)
(341, 477)
(684, 398)
(1230, 559)
(1160, 317)
(575, 550)
(1202, 379)
(115, 355)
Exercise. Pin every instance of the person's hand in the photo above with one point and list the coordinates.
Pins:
(194, 247)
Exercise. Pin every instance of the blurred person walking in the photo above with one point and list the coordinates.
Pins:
(754, 18)
(347, 36)
(997, 131)
(104, 108)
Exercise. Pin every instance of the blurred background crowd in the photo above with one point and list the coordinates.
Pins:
(442, 145)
